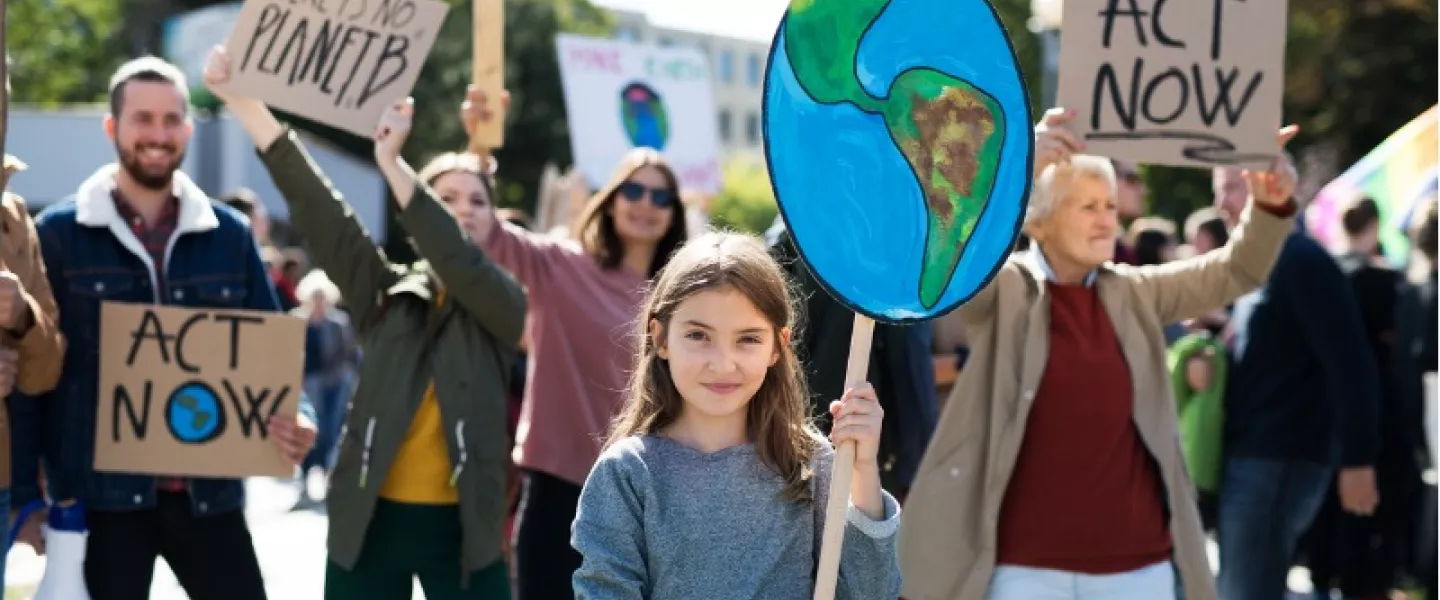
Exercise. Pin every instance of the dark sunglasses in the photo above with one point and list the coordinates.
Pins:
(660, 197)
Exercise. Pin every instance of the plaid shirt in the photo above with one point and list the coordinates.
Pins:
(154, 236)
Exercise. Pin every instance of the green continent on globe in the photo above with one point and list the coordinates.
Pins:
(198, 418)
(950, 131)
(826, 35)
(951, 134)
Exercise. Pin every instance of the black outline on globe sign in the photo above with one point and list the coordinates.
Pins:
(659, 104)
(217, 428)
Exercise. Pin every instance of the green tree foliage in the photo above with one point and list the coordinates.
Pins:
(63, 51)
(746, 202)
(1015, 15)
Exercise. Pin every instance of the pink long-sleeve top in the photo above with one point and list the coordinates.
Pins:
(582, 343)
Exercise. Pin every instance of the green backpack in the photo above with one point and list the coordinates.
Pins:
(1201, 412)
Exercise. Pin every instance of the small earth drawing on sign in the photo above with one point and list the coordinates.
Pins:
(194, 414)
(899, 144)
(644, 116)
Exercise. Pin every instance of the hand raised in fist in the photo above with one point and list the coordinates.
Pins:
(477, 108)
(1274, 188)
(1055, 141)
(14, 310)
(394, 128)
(217, 73)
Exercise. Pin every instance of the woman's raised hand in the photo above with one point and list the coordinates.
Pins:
(392, 131)
(476, 108)
(1054, 140)
(1274, 188)
(217, 74)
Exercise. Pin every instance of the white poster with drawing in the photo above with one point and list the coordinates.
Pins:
(620, 95)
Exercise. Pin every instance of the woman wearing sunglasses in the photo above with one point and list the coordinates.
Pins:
(584, 295)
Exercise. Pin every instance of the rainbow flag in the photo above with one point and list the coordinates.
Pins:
(1397, 174)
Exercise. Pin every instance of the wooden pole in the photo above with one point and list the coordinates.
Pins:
(4, 99)
(856, 371)
(488, 71)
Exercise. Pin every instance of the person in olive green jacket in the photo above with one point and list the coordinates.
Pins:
(425, 445)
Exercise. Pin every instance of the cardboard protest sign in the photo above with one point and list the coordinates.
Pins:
(620, 95)
(191, 391)
(1194, 83)
(339, 62)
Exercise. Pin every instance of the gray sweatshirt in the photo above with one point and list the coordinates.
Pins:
(661, 520)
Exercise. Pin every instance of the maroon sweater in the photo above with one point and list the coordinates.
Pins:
(1085, 496)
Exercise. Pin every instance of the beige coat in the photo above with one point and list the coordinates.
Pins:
(948, 536)
(42, 348)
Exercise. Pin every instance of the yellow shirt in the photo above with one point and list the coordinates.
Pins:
(421, 472)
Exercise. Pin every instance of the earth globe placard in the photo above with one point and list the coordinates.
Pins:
(898, 136)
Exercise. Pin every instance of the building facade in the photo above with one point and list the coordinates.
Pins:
(738, 72)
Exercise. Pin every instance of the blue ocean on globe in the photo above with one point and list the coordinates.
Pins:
(848, 196)
(194, 414)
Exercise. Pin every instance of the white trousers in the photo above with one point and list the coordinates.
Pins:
(1155, 582)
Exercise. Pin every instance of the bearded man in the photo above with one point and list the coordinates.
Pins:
(141, 231)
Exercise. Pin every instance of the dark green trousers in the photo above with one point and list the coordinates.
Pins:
(406, 541)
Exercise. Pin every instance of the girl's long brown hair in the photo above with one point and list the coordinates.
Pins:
(776, 417)
(595, 228)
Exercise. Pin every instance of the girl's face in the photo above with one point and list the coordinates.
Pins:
(718, 348)
(465, 195)
(643, 206)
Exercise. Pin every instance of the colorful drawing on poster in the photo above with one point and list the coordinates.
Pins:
(899, 142)
(644, 116)
(1397, 174)
(621, 95)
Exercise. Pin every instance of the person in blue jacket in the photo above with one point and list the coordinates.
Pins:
(140, 231)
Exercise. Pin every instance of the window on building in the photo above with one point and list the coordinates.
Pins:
(752, 70)
(666, 42)
(724, 125)
(752, 129)
(726, 66)
(627, 34)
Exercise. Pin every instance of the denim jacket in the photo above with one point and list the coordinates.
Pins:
(91, 256)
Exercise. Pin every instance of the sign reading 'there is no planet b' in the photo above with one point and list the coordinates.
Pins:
(340, 62)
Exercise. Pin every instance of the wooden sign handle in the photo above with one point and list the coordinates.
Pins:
(488, 71)
(856, 371)
(4, 99)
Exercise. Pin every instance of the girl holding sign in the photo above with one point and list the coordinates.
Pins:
(1055, 471)
(713, 483)
(418, 487)
(583, 299)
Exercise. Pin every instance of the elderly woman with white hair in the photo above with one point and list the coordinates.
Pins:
(1056, 470)
(332, 355)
